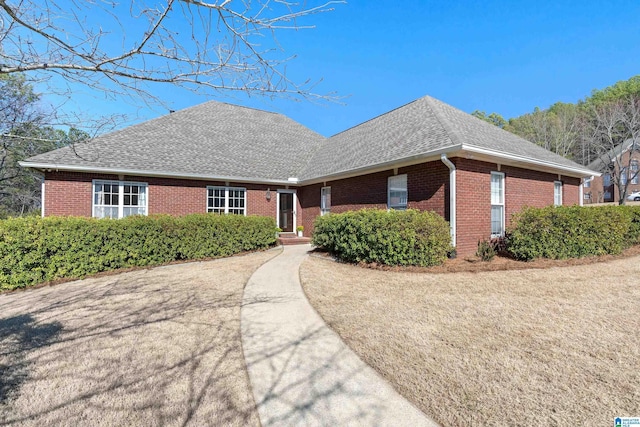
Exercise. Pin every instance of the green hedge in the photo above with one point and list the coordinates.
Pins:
(394, 238)
(573, 232)
(34, 250)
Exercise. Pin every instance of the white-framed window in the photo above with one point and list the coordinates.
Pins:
(557, 193)
(623, 176)
(397, 192)
(227, 200)
(587, 183)
(497, 204)
(633, 173)
(117, 199)
(325, 200)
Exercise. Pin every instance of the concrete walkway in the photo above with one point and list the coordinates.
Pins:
(301, 372)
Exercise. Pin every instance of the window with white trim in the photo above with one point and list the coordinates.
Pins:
(227, 200)
(633, 174)
(623, 176)
(557, 193)
(587, 183)
(117, 199)
(325, 200)
(497, 204)
(397, 192)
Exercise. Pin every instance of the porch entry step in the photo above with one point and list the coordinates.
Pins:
(292, 239)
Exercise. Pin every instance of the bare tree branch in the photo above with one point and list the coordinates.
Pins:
(219, 46)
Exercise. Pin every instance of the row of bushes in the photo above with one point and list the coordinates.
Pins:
(422, 238)
(572, 232)
(34, 250)
(394, 238)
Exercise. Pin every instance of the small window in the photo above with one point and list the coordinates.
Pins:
(497, 204)
(623, 176)
(606, 180)
(227, 200)
(587, 183)
(397, 192)
(325, 200)
(118, 199)
(557, 193)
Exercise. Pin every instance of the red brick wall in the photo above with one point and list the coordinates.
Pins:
(70, 194)
(309, 198)
(427, 186)
(523, 187)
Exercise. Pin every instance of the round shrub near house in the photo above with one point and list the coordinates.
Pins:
(408, 237)
(572, 232)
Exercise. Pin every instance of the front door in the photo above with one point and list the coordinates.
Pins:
(285, 212)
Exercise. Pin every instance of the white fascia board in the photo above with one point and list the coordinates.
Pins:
(380, 167)
(156, 174)
(578, 172)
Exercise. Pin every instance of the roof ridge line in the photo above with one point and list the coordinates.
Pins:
(375, 117)
(451, 133)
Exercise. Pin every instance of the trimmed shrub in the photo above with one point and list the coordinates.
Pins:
(393, 238)
(34, 250)
(572, 232)
(486, 251)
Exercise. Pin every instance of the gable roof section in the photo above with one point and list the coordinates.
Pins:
(212, 140)
(601, 163)
(423, 128)
(220, 141)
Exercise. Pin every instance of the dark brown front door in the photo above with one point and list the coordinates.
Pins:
(286, 212)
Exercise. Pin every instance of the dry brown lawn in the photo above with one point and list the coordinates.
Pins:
(150, 347)
(555, 346)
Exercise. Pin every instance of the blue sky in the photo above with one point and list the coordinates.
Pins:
(497, 56)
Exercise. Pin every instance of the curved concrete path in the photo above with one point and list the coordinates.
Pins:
(301, 372)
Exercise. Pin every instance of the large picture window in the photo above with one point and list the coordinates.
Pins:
(325, 200)
(497, 204)
(227, 200)
(397, 192)
(117, 199)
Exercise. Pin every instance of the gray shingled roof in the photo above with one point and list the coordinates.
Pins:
(423, 126)
(222, 140)
(210, 139)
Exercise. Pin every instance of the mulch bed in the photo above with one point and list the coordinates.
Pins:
(499, 263)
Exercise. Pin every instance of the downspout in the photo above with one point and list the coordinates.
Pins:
(452, 196)
(42, 197)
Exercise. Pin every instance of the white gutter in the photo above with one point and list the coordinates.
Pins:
(529, 160)
(452, 197)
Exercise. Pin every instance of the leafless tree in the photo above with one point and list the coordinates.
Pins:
(615, 135)
(121, 48)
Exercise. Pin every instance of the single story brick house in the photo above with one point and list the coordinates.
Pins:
(222, 158)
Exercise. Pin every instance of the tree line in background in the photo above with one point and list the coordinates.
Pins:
(24, 132)
(593, 129)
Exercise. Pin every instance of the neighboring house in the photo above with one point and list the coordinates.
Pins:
(620, 164)
(223, 158)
